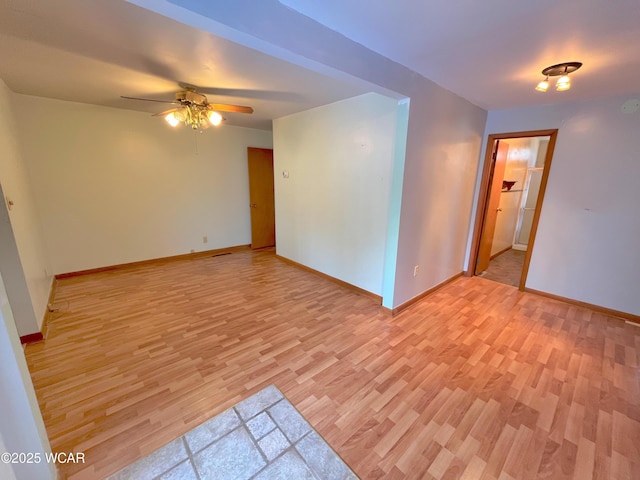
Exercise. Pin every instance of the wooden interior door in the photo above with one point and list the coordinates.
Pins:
(261, 197)
(491, 214)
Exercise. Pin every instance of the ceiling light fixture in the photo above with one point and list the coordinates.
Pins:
(172, 119)
(543, 86)
(214, 118)
(198, 117)
(561, 70)
(193, 109)
(563, 83)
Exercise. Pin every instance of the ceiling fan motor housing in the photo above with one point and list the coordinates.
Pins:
(191, 97)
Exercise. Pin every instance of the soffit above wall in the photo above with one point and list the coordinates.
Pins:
(93, 52)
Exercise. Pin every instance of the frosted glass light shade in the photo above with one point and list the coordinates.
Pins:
(563, 83)
(172, 119)
(214, 118)
(543, 86)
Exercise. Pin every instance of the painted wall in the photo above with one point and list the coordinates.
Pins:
(331, 213)
(6, 469)
(115, 186)
(443, 135)
(16, 284)
(21, 425)
(586, 247)
(22, 252)
(443, 144)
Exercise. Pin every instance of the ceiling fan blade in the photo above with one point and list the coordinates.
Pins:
(223, 107)
(149, 100)
(167, 112)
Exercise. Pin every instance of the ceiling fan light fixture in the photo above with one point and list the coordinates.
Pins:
(214, 118)
(193, 109)
(172, 119)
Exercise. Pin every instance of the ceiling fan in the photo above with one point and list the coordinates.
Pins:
(193, 109)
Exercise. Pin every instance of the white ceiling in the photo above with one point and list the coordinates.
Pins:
(489, 52)
(94, 51)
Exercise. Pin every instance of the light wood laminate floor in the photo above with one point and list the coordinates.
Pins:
(477, 381)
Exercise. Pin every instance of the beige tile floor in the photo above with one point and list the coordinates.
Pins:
(261, 438)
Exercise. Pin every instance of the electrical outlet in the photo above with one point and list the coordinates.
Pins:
(416, 270)
(205, 239)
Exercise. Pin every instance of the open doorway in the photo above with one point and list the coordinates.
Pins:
(510, 199)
